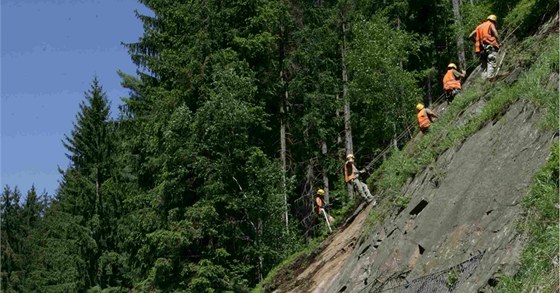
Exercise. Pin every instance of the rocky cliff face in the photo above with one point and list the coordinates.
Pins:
(458, 231)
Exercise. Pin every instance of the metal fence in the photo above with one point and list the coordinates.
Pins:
(442, 281)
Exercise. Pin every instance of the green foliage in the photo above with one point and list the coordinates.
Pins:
(12, 263)
(539, 260)
(20, 221)
(526, 15)
(75, 233)
(381, 91)
(473, 15)
(184, 192)
(541, 83)
(452, 278)
(59, 264)
(291, 260)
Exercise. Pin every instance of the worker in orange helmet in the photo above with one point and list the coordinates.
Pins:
(452, 82)
(425, 117)
(320, 205)
(487, 45)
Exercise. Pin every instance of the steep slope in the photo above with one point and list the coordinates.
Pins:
(317, 270)
(465, 205)
(458, 231)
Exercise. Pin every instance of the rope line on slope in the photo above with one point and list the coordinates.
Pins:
(399, 138)
(436, 104)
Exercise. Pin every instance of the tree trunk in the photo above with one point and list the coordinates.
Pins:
(310, 178)
(349, 147)
(402, 94)
(97, 198)
(283, 156)
(325, 173)
(338, 114)
(460, 36)
(283, 110)
(429, 89)
(260, 268)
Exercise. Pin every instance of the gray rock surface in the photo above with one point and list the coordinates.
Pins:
(464, 205)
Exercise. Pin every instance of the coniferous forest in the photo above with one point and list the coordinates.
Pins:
(238, 112)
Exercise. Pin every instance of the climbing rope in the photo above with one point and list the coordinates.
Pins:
(408, 130)
(400, 137)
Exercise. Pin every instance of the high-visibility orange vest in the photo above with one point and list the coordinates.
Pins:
(484, 35)
(450, 82)
(318, 204)
(423, 119)
(349, 171)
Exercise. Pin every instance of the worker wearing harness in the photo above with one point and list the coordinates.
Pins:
(320, 206)
(452, 82)
(486, 45)
(424, 117)
(351, 174)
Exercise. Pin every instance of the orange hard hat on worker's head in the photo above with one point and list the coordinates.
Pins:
(350, 157)
(492, 17)
(452, 65)
(320, 192)
(419, 107)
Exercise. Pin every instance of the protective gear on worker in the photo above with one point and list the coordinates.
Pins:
(425, 117)
(486, 45)
(320, 205)
(319, 201)
(452, 82)
(351, 174)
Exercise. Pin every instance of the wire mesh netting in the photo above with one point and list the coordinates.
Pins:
(442, 281)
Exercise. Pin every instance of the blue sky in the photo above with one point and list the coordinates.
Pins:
(51, 50)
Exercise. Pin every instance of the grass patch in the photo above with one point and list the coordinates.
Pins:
(541, 85)
(306, 253)
(539, 260)
(527, 15)
(289, 262)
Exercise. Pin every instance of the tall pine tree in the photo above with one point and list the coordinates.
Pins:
(83, 192)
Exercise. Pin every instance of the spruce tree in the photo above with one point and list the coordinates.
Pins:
(83, 192)
(12, 240)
